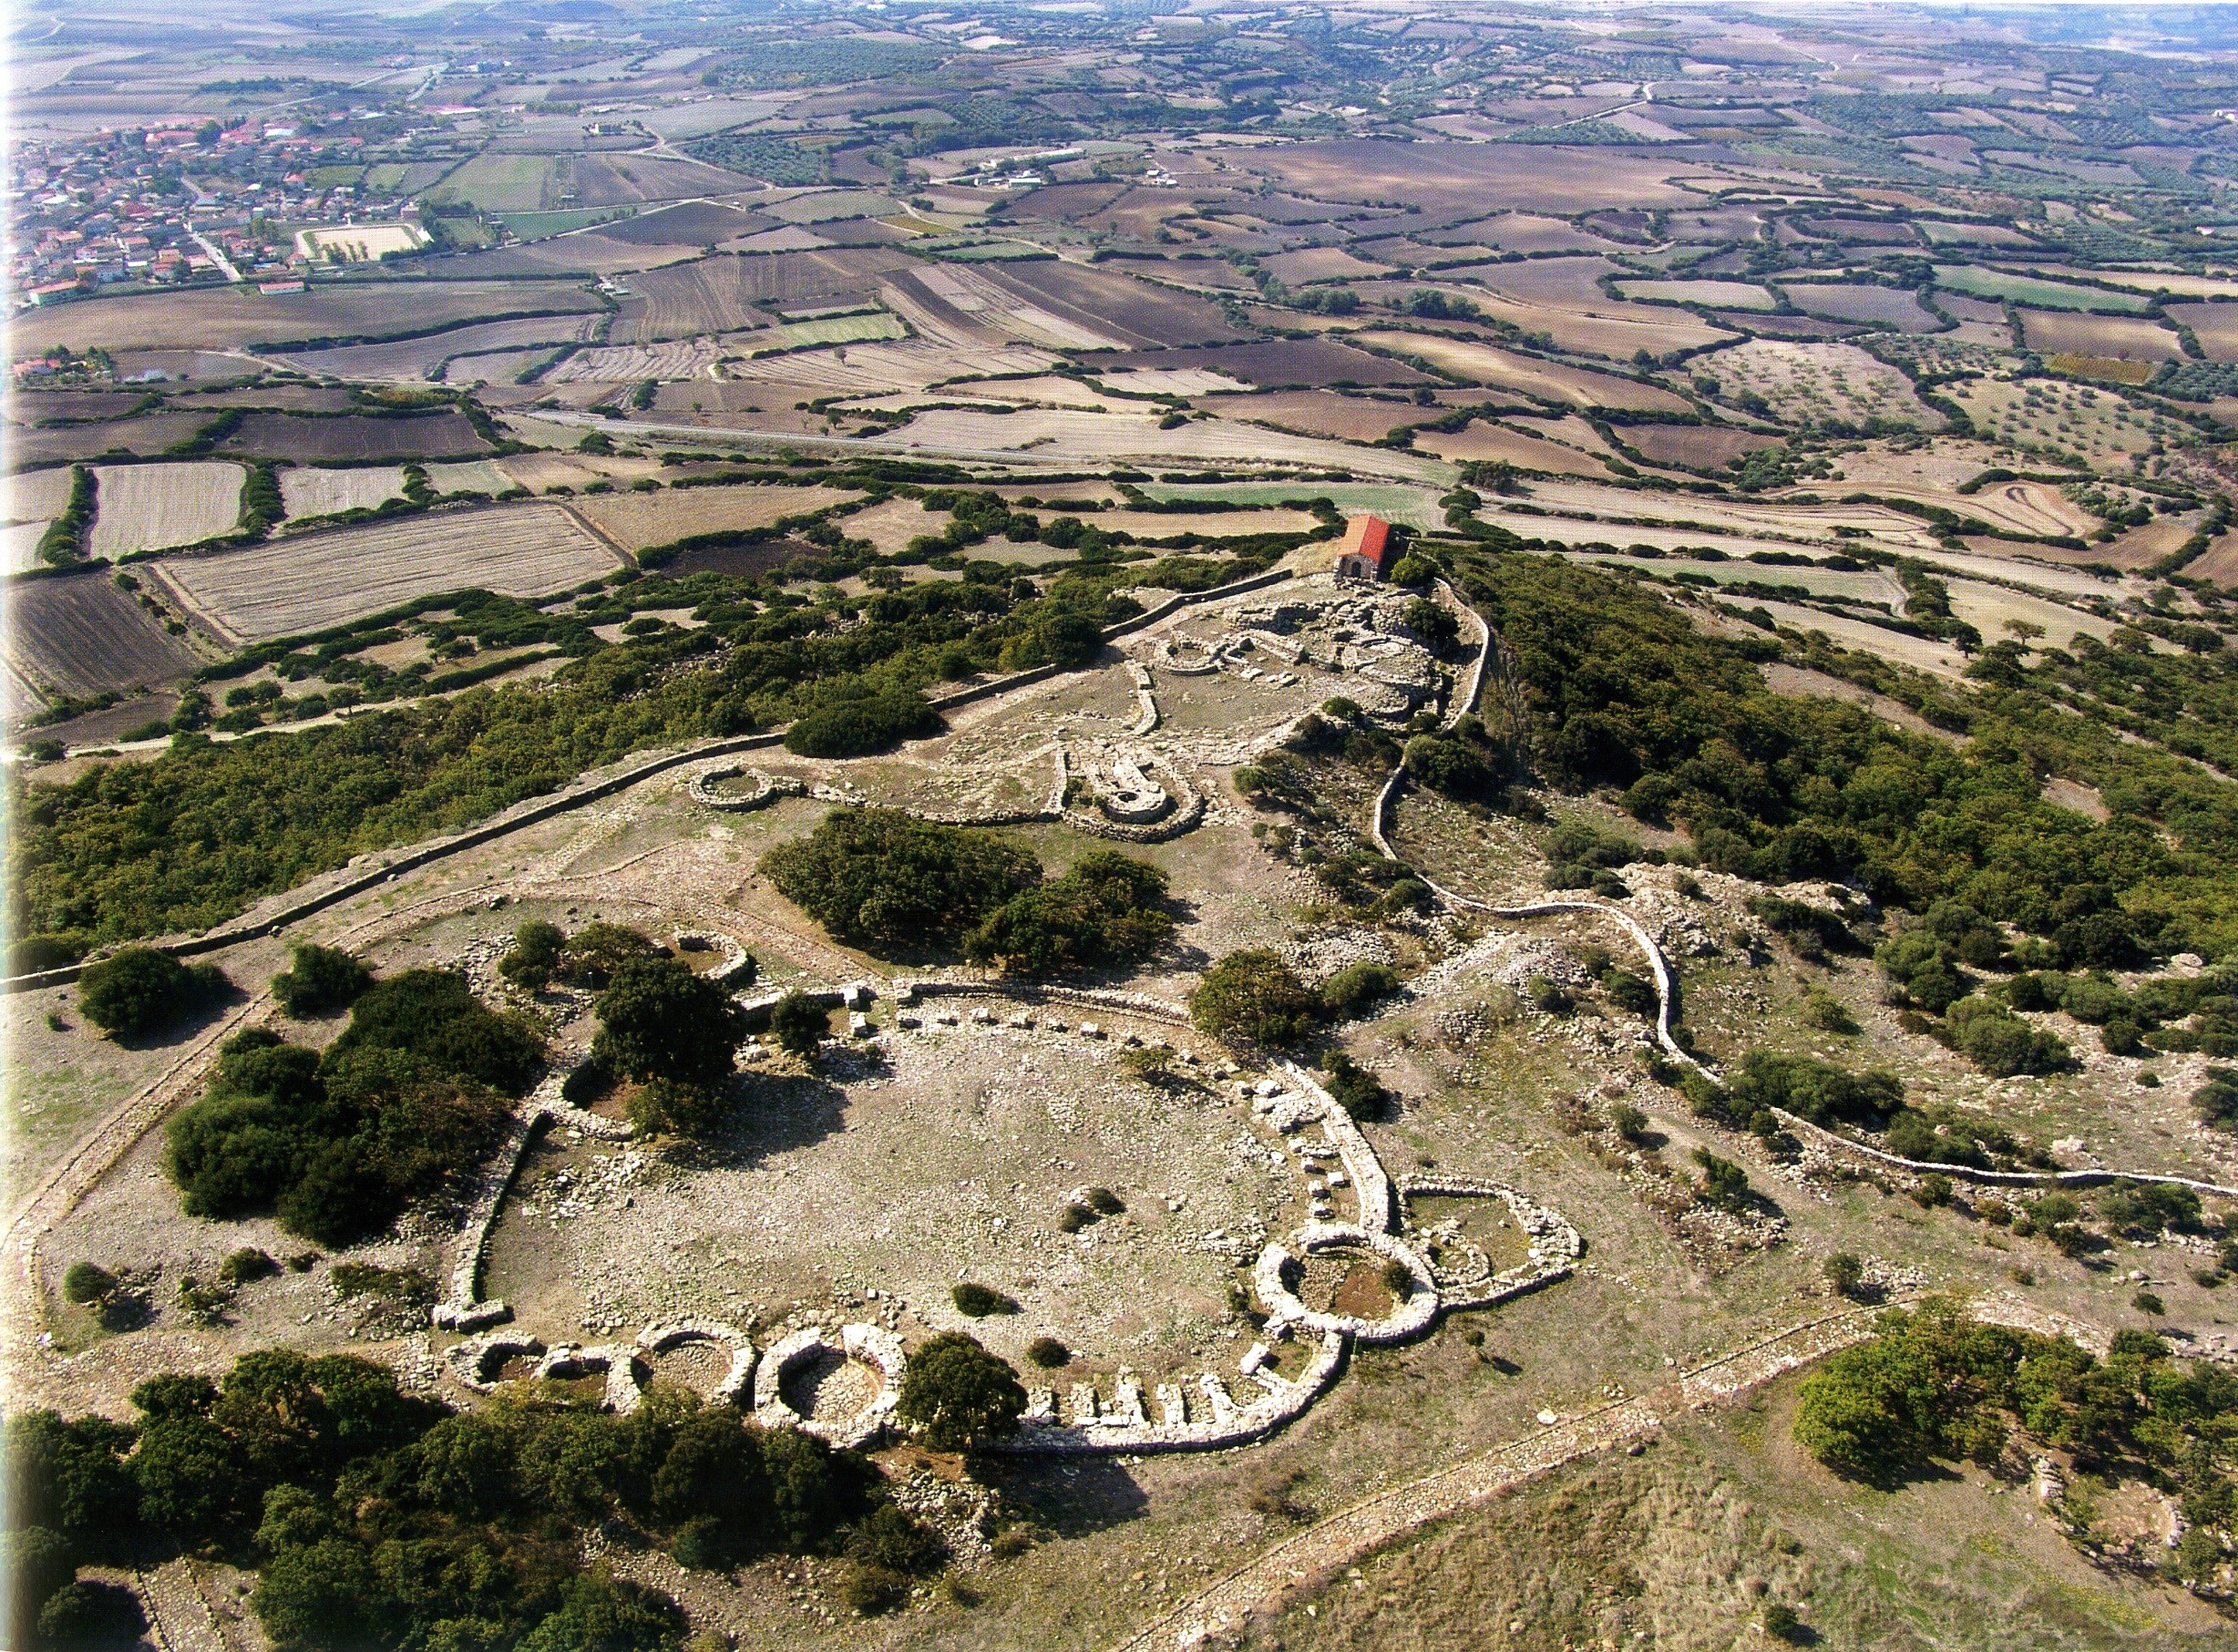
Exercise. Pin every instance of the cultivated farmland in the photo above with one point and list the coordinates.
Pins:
(221, 318)
(1722, 295)
(1545, 380)
(1815, 383)
(1112, 303)
(2216, 325)
(2126, 338)
(300, 584)
(636, 521)
(405, 360)
(1314, 412)
(720, 295)
(308, 491)
(1695, 447)
(1495, 442)
(446, 433)
(1896, 305)
(80, 634)
(152, 507)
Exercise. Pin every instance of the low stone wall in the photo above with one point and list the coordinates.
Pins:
(1555, 1246)
(1282, 1401)
(769, 788)
(1371, 1187)
(871, 1345)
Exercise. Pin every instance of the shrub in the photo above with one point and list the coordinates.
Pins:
(888, 883)
(1359, 1092)
(658, 1020)
(1358, 987)
(84, 1282)
(1254, 995)
(959, 1395)
(1073, 1217)
(1934, 1190)
(1826, 1012)
(977, 1301)
(433, 1016)
(800, 1023)
(2216, 1101)
(1048, 1354)
(872, 1591)
(1781, 1623)
(1548, 996)
(535, 953)
(2000, 1042)
(1629, 993)
(889, 1538)
(1724, 1184)
(246, 1266)
(1628, 1121)
(1844, 1272)
(140, 991)
(322, 979)
(853, 728)
(1107, 910)
(2148, 1302)
(89, 1615)
(1820, 1091)
(1105, 1202)
(1466, 770)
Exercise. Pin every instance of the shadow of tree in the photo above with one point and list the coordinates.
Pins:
(1072, 1498)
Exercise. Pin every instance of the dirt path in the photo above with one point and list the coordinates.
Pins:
(1343, 1537)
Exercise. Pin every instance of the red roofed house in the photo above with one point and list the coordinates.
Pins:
(1367, 549)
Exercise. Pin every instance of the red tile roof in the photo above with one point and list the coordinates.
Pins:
(1368, 537)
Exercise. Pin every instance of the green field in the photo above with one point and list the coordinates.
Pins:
(978, 251)
(535, 226)
(838, 329)
(501, 183)
(1977, 282)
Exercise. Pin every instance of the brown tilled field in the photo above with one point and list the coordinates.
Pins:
(636, 521)
(719, 295)
(445, 434)
(1695, 447)
(308, 491)
(407, 360)
(321, 579)
(1485, 364)
(2216, 325)
(1111, 302)
(150, 434)
(1318, 413)
(1845, 303)
(2129, 338)
(1314, 363)
(216, 318)
(1453, 178)
(1482, 441)
(81, 635)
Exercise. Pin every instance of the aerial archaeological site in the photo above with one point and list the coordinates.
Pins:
(1124, 824)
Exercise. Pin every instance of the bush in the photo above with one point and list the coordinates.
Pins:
(2148, 1302)
(872, 1591)
(91, 1615)
(83, 1283)
(890, 1538)
(2000, 1042)
(892, 884)
(1107, 909)
(1359, 1092)
(1628, 1121)
(1048, 1354)
(140, 991)
(800, 1023)
(659, 1021)
(1629, 993)
(958, 1395)
(1073, 1217)
(1724, 1184)
(1105, 1202)
(246, 1266)
(854, 728)
(322, 979)
(433, 1016)
(1844, 1272)
(1254, 995)
(2216, 1101)
(535, 953)
(977, 1301)
(1820, 1091)
(1359, 987)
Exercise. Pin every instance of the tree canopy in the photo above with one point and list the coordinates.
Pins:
(881, 880)
(1254, 995)
(140, 991)
(958, 1395)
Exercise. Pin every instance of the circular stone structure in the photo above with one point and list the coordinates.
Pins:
(1409, 1316)
(801, 1353)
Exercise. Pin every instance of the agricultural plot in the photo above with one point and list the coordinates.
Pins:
(2116, 337)
(633, 521)
(1415, 506)
(2215, 326)
(538, 471)
(1459, 177)
(689, 223)
(37, 498)
(1898, 307)
(1519, 232)
(692, 358)
(865, 326)
(1722, 295)
(500, 368)
(1808, 384)
(1310, 264)
(80, 634)
(446, 433)
(221, 318)
(150, 434)
(623, 180)
(1594, 325)
(1495, 442)
(405, 360)
(871, 369)
(1315, 412)
(1546, 381)
(725, 293)
(1109, 303)
(308, 491)
(1314, 364)
(962, 308)
(469, 476)
(891, 524)
(1088, 440)
(504, 183)
(153, 507)
(2031, 290)
(301, 584)
(1701, 447)
(2092, 425)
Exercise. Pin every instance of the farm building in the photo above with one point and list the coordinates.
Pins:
(1367, 549)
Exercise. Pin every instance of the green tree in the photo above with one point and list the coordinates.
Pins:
(1107, 910)
(958, 1395)
(1254, 995)
(882, 880)
(660, 1021)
